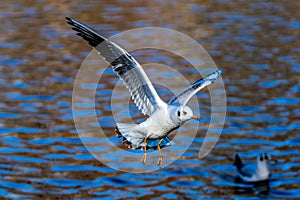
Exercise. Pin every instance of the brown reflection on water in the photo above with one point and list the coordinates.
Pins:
(255, 43)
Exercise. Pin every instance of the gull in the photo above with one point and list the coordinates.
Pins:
(251, 172)
(163, 117)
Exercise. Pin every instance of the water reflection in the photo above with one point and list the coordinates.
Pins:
(255, 43)
(261, 188)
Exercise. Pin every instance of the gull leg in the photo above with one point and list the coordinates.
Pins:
(160, 154)
(145, 149)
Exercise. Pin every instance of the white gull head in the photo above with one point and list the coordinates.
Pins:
(184, 113)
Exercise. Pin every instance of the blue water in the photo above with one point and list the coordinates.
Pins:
(255, 44)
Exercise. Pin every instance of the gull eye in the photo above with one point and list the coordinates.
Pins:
(266, 157)
(261, 158)
(184, 113)
(178, 113)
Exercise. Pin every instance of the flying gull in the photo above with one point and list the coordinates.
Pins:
(163, 117)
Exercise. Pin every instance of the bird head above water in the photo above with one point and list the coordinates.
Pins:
(264, 159)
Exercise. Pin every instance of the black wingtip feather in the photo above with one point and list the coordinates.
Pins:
(108, 50)
(87, 33)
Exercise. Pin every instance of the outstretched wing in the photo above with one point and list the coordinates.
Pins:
(128, 69)
(184, 96)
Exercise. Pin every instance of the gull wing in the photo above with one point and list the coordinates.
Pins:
(243, 169)
(184, 96)
(248, 169)
(128, 69)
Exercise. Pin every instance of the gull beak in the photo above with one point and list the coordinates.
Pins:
(196, 118)
(273, 161)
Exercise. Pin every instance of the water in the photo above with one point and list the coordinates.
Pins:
(256, 44)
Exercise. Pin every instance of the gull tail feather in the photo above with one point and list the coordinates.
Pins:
(153, 143)
(130, 134)
(238, 163)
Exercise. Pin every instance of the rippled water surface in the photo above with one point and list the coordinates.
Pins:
(255, 43)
